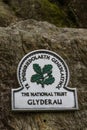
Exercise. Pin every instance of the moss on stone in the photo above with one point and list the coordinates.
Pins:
(54, 14)
(42, 10)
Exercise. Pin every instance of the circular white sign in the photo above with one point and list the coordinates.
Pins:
(43, 69)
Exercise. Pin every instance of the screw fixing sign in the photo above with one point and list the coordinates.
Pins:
(43, 77)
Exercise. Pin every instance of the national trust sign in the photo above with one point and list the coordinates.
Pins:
(43, 77)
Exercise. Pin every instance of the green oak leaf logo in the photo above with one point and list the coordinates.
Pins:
(43, 75)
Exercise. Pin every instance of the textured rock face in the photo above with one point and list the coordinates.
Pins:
(42, 10)
(33, 9)
(62, 13)
(7, 15)
(80, 9)
(23, 37)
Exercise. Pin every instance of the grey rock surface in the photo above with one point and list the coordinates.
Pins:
(25, 36)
